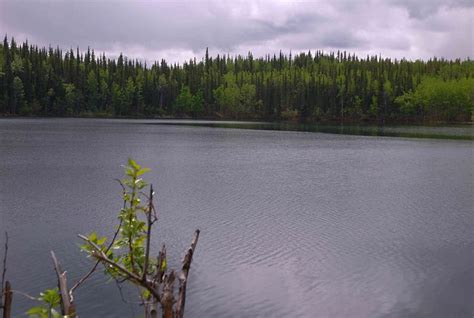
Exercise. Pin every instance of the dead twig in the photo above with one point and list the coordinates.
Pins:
(148, 233)
(100, 255)
(158, 279)
(86, 276)
(67, 306)
(24, 295)
(125, 301)
(183, 276)
(92, 270)
(4, 272)
(7, 305)
(168, 295)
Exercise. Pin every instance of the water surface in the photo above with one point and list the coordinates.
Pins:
(455, 132)
(293, 224)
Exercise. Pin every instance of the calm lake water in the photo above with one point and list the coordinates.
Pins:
(293, 224)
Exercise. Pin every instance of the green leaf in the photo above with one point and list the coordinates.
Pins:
(146, 294)
(142, 171)
(101, 241)
(129, 172)
(85, 247)
(56, 314)
(93, 237)
(163, 265)
(38, 311)
(133, 164)
(51, 297)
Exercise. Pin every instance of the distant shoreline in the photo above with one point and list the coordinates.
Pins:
(334, 121)
(442, 131)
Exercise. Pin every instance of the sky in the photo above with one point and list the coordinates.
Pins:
(179, 30)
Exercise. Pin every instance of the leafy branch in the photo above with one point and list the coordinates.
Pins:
(126, 258)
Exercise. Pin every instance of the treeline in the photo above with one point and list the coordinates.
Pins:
(309, 86)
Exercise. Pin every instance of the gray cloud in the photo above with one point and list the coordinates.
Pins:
(178, 30)
(342, 39)
(157, 24)
(421, 9)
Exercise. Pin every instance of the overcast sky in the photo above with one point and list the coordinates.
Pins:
(179, 30)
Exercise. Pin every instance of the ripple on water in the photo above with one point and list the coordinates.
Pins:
(292, 224)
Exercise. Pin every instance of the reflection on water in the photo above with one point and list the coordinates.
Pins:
(459, 132)
(292, 224)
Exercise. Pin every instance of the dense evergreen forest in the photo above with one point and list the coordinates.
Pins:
(313, 86)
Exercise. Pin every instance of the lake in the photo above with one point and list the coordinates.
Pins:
(293, 224)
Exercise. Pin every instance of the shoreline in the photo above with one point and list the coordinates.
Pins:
(217, 119)
(440, 131)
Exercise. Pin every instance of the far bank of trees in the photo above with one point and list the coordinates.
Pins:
(310, 86)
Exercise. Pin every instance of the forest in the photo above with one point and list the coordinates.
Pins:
(308, 87)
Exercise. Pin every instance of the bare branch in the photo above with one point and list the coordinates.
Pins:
(100, 255)
(24, 295)
(159, 270)
(168, 295)
(130, 241)
(121, 184)
(67, 306)
(148, 234)
(2, 286)
(183, 276)
(7, 306)
(117, 282)
(85, 277)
